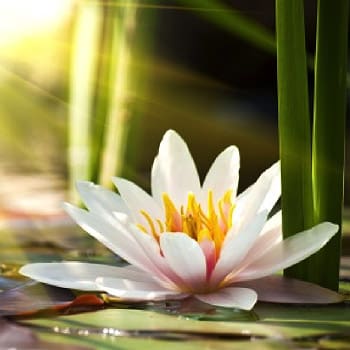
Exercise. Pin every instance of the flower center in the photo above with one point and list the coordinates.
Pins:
(211, 225)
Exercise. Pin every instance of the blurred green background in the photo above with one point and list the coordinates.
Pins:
(87, 88)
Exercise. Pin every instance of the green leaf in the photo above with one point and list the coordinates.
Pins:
(294, 124)
(329, 133)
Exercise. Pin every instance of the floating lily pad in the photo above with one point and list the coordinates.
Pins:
(280, 326)
(13, 336)
(103, 329)
(8, 283)
(192, 308)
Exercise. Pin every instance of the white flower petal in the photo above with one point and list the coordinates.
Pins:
(146, 246)
(278, 289)
(100, 200)
(273, 223)
(262, 195)
(270, 235)
(78, 275)
(136, 291)
(289, 252)
(136, 200)
(158, 182)
(185, 257)
(116, 238)
(151, 249)
(223, 174)
(174, 171)
(241, 298)
(235, 249)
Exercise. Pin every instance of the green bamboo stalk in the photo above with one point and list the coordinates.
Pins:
(294, 124)
(82, 80)
(329, 132)
(102, 87)
(116, 127)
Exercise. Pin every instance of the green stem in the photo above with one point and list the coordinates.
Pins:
(294, 123)
(329, 132)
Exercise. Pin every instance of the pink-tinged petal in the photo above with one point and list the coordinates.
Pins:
(134, 246)
(137, 200)
(262, 195)
(240, 298)
(78, 275)
(151, 250)
(274, 222)
(209, 251)
(185, 257)
(160, 267)
(158, 182)
(137, 291)
(278, 289)
(223, 175)
(100, 200)
(289, 252)
(270, 235)
(115, 237)
(174, 171)
(235, 249)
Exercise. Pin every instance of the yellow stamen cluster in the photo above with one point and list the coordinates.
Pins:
(192, 220)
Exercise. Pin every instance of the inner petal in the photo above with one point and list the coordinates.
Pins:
(208, 228)
(212, 224)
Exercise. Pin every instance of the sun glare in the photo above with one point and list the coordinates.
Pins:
(20, 18)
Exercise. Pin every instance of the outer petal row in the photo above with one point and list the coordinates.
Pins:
(124, 282)
(138, 249)
(278, 289)
(133, 285)
(79, 275)
(289, 252)
(113, 235)
(100, 200)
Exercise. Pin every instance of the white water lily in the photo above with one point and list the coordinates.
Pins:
(187, 239)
